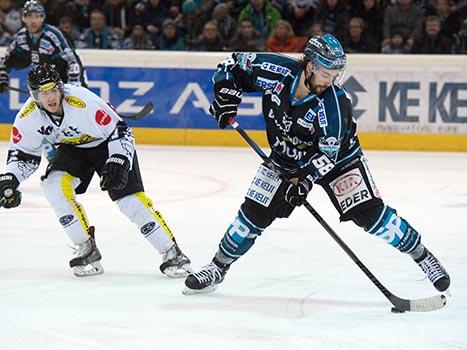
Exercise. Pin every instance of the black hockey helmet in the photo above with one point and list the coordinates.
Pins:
(326, 51)
(43, 77)
(33, 6)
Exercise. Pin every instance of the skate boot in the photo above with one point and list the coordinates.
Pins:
(205, 280)
(175, 264)
(87, 260)
(433, 270)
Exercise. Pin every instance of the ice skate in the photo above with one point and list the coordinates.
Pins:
(433, 270)
(175, 264)
(205, 280)
(87, 260)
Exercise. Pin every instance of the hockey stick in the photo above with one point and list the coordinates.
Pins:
(12, 88)
(148, 107)
(426, 304)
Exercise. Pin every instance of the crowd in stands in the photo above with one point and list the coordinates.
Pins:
(363, 26)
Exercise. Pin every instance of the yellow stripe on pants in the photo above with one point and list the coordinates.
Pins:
(69, 193)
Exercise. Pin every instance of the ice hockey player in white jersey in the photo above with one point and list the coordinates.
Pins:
(91, 137)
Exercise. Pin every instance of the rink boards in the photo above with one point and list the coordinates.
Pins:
(401, 102)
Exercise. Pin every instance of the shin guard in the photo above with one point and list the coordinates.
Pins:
(240, 237)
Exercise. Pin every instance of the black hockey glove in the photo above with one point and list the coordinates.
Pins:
(296, 194)
(8, 191)
(114, 175)
(227, 98)
(4, 81)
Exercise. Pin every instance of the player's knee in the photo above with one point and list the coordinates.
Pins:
(59, 186)
(368, 217)
(137, 207)
(128, 206)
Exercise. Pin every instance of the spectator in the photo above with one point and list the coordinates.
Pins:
(406, 17)
(461, 39)
(10, 18)
(235, 7)
(262, 14)
(315, 29)
(190, 22)
(99, 36)
(333, 16)
(300, 15)
(152, 13)
(397, 44)
(372, 15)
(283, 39)
(70, 31)
(210, 40)
(80, 10)
(118, 16)
(138, 39)
(450, 19)
(171, 39)
(248, 38)
(225, 23)
(432, 42)
(356, 40)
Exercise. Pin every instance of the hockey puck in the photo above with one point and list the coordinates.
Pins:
(395, 310)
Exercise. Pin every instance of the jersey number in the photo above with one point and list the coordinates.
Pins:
(323, 165)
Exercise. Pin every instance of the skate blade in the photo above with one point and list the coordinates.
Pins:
(91, 269)
(207, 290)
(178, 272)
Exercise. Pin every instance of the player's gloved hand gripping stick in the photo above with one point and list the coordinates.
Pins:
(400, 305)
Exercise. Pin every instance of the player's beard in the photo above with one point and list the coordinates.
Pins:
(308, 83)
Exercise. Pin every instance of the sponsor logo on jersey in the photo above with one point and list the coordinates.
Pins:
(310, 115)
(265, 83)
(103, 118)
(306, 125)
(78, 140)
(290, 151)
(274, 68)
(278, 88)
(322, 118)
(27, 110)
(16, 135)
(21, 40)
(329, 146)
(75, 102)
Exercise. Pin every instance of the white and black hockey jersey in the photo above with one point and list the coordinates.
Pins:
(88, 121)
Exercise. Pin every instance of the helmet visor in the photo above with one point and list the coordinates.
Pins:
(332, 70)
(337, 63)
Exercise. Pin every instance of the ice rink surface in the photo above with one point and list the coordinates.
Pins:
(296, 288)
